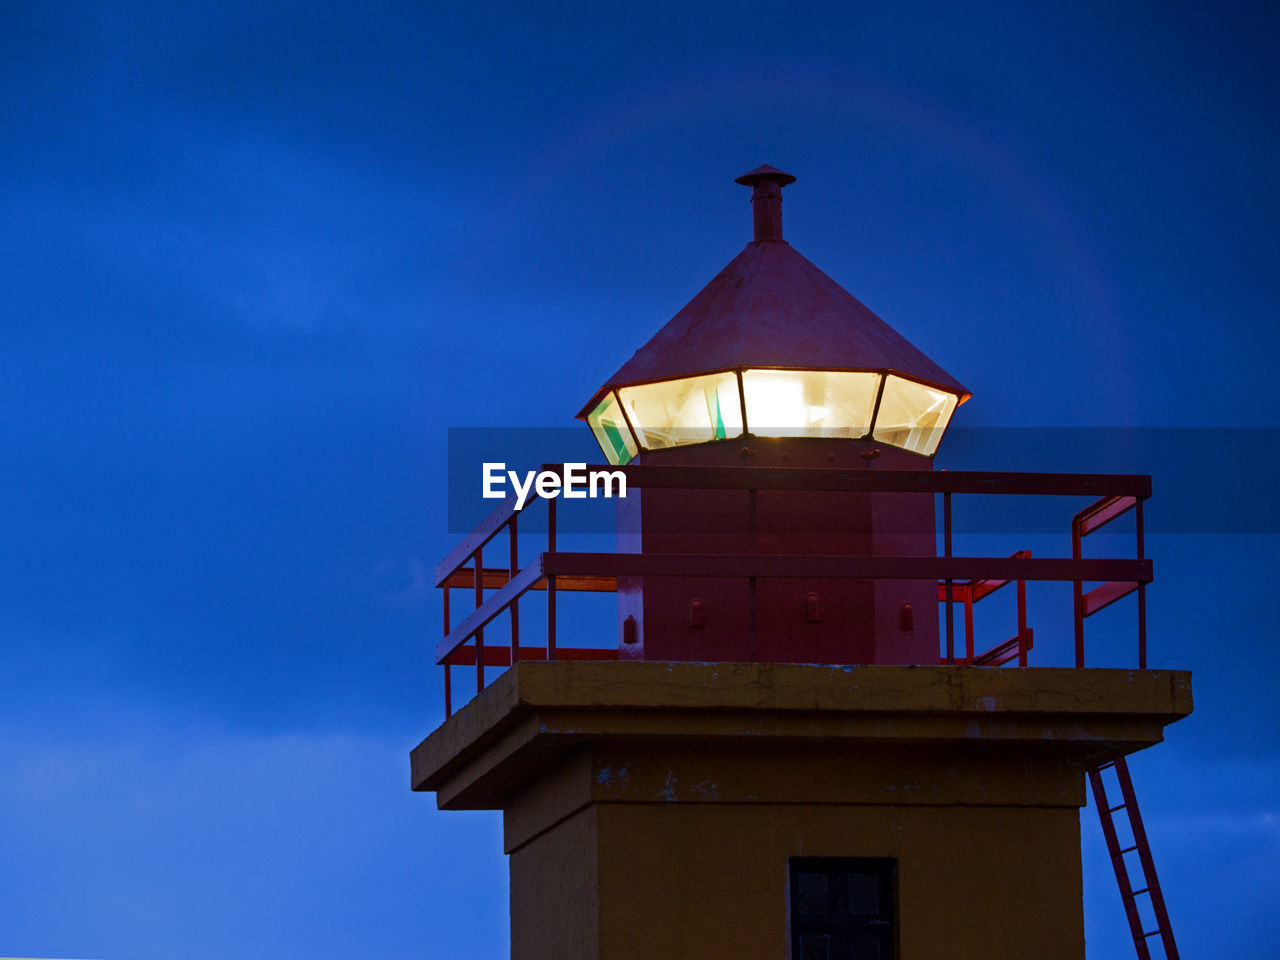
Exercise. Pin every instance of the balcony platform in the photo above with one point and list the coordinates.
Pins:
(538, 711)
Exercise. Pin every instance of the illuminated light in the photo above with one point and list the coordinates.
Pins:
(809, 403)
(673, 413)
(612, 433)
(912, 415)
(779, 403)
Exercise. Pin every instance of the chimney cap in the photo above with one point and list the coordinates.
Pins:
(765, 172)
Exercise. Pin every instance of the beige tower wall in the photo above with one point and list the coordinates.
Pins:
(555, 891)
(650, 809)
(711, 880)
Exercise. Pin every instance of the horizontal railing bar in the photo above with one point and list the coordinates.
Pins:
(495, 577)
(881, 481)
(465, 656)
(491, 607)
(859, 568)
(976, 590)
(477, 538)
(999, 654)
(1099, 514)
(981, 589)
(1101, 597)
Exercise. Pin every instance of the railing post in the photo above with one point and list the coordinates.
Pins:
(1077, 590)
(551, 581)
(1142, 593)
(448, 684)
(1022, 623)
(513, 567)
(478, 578)
(946, 545)
(968, 623)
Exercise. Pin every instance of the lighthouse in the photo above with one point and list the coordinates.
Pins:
(790, 743)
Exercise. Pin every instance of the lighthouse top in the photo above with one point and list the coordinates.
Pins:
(768, 312)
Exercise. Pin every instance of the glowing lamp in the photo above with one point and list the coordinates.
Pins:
(761, 402)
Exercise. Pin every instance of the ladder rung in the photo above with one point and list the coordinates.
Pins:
(1128, 850)
(1117, 807)
(1138, 893)
(1151, 934)
(1105, 766)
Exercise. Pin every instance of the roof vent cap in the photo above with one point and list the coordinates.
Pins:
(766, 185)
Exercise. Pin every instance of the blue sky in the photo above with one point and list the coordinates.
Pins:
(257, 259)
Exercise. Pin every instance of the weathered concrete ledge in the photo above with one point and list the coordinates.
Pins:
(540, 713)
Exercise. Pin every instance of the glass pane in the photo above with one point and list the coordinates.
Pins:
(813, 893)
(815, 947)
(809, 403)
(865, 948)
(912, 415)
(611, 431)
(677, 412)
(864, 894)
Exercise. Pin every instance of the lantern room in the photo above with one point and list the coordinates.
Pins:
(773, 348)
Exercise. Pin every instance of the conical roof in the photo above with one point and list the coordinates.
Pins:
(771, 307)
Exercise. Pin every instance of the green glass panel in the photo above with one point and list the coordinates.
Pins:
(611, 431)
(621, 455)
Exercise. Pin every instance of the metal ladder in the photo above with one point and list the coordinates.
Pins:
(1151, 885)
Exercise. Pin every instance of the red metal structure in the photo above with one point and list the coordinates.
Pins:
(1151, 883)
(815, 541)
(956, 581)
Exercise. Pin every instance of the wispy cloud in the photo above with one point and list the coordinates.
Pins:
(289, 846)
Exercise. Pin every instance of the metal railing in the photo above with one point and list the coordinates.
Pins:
(962, 580)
